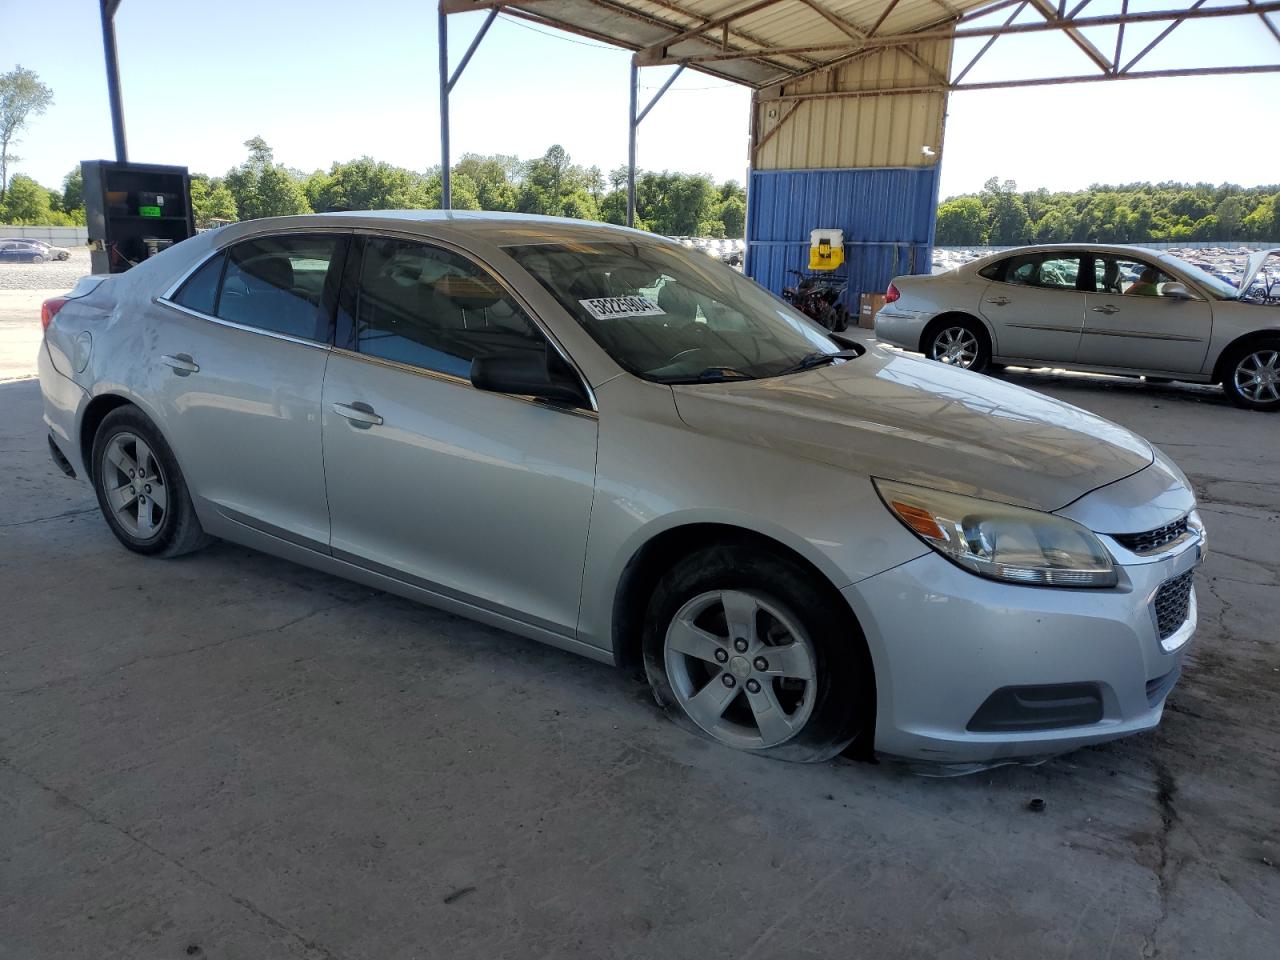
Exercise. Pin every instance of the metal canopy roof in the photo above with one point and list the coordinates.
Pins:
(761, 43)
(742, 36)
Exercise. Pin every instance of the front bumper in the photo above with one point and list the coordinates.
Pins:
(944, 641)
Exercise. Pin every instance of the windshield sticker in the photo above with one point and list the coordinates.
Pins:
(612, 308)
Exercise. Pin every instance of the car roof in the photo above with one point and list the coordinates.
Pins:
(497, 228)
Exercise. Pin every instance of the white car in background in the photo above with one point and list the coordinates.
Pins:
(1107, 309)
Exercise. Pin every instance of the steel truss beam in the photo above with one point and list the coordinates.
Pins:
(655, 55)
(1038, 82)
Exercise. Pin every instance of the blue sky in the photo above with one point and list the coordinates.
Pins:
(325, 80)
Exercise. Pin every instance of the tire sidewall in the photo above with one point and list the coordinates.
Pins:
(1229, 381)
(844, 697)
(131, 420)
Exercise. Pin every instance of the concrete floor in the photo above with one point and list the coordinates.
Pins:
(228, 756)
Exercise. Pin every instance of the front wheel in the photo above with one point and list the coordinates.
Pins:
(1253, 376)
(140, 489)
(745, 648)
(960, 343)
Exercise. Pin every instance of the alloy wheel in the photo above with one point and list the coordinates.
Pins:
(1257, 376)
(135, 485)
(742, 668)
(955, 345)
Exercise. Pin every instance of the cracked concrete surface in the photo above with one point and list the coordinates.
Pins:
(235, 756)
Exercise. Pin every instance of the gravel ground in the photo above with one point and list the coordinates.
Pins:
(56, 274)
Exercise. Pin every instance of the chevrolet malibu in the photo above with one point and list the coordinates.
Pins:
(598, 439)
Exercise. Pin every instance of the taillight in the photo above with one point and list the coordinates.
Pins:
(49, 309)
(892, 294)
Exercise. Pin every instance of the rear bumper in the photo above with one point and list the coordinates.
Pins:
(902, 328)
(64, 402)
(974, 672)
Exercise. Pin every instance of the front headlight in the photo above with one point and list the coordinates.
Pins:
(1000, 541)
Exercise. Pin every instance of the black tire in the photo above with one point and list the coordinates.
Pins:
(843, 688)
(178, 530)
(1235, 378)
(842, 318)
(981, 356)
(38, 258)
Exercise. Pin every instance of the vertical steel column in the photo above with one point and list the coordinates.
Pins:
(446, 193)
(631, 145)
(108, 11)
(636, 120)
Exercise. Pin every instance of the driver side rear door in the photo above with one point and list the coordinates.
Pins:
(1034, 307)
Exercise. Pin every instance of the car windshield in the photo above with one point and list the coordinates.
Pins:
(673, 315)
(1219, 287)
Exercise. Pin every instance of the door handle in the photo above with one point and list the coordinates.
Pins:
(182, 364)
(1106, 308)
(360, 414)
(999, 301)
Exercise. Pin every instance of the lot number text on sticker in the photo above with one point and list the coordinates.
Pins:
(611, 308)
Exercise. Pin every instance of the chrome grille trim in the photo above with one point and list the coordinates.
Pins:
(1151, 541)
(1172, 603)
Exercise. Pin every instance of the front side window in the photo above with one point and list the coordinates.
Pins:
(431, 308)
(278, 283)
(672, 315)
(1131, 278)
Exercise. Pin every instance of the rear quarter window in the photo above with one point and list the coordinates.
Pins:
(200, 292)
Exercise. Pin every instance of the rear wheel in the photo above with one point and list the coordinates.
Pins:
(960, 343)
(38, 258)
(745, 648)
(1253, 376)
(140, 489)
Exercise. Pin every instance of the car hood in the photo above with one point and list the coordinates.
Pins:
(891, 416)
(1253, 265)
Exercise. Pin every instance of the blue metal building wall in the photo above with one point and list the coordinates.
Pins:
(887, 215)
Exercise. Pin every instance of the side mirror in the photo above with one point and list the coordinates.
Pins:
(1175, 290)
(530, 374)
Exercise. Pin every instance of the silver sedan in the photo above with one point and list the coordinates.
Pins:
(1110, 309)
(596, 438)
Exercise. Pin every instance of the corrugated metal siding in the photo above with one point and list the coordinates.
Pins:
(887, 216)
(886, 130)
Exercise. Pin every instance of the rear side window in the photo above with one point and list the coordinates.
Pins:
(431, 308)
(1044, 270)
(200, 292)
(992, 270)
(278, 284)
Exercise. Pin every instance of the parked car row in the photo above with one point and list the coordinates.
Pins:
(1106, 309)
(603, 440)
(25, 250)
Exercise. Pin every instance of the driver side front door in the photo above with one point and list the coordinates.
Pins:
(1132, 331)
(479, 498)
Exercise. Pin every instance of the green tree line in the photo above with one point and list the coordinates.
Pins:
(676, 204)
(1002, 215)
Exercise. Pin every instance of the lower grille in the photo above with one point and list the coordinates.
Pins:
(1173, 603)
(1152, 540)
